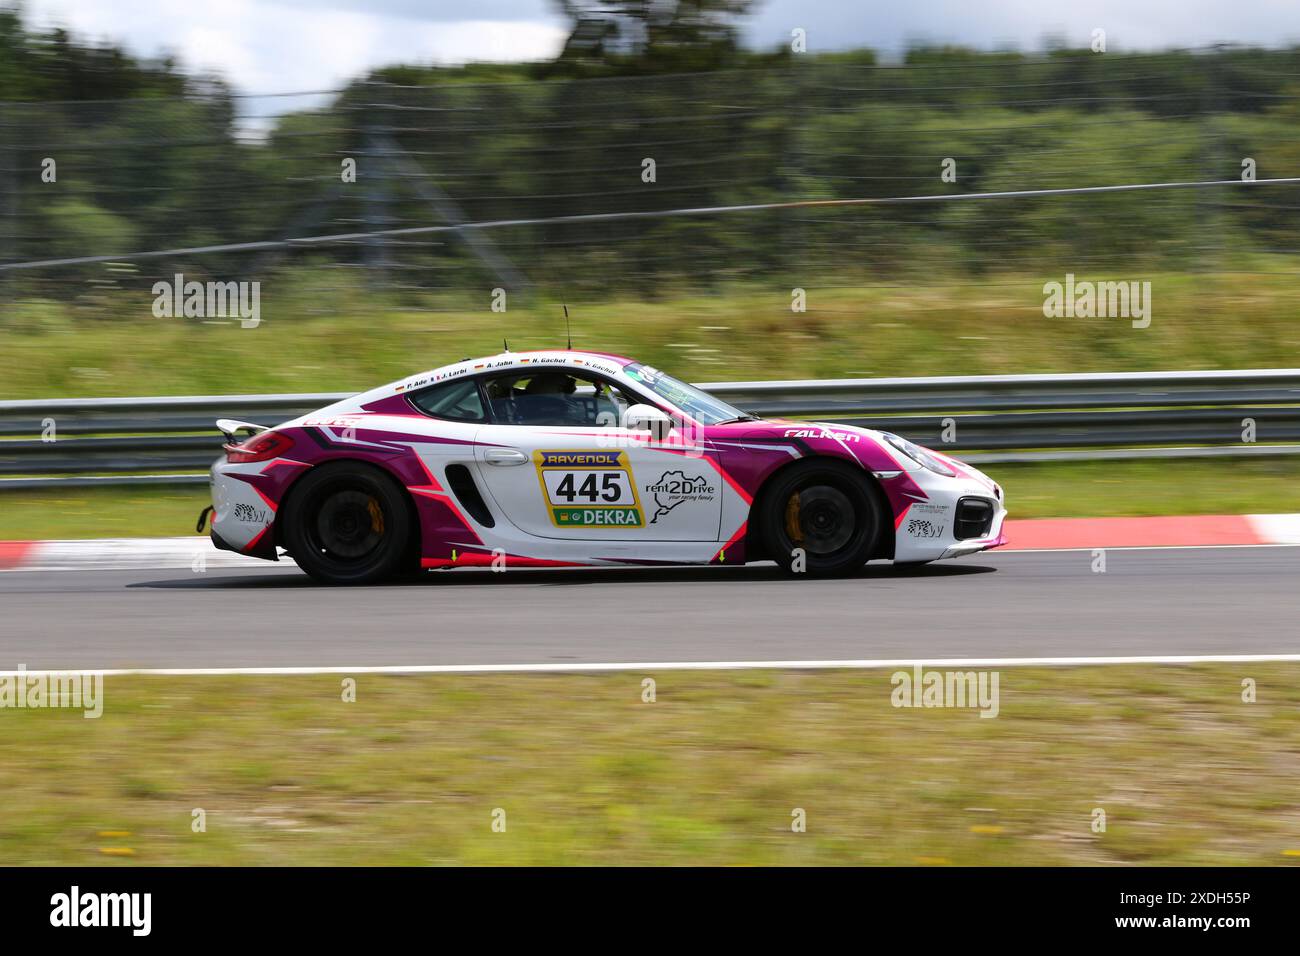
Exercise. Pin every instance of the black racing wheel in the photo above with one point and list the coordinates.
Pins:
(348, 523)
(821, 517)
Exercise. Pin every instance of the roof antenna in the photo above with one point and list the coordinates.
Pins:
(505, 346)
(568, 333)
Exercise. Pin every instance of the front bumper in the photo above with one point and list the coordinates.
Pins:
(930, 529)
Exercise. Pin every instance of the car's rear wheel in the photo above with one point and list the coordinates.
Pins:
(348, 523)
(821, 518)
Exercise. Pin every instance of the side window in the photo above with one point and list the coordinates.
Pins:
(555, 398)
(606, 401)
(457, 401)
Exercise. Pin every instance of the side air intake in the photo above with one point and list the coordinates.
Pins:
(467, 493)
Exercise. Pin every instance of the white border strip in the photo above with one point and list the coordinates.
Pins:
(1011, 549)
(158, 554)
(595, 668)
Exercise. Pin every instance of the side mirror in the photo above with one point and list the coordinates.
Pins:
(647, 418)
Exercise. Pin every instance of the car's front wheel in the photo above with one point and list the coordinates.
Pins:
(347, 523)
(821, 518)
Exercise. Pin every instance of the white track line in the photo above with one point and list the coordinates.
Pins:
(591, 668)
(1132, 547)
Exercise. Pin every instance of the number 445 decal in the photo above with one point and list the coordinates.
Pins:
(589, 489)
(611, 487)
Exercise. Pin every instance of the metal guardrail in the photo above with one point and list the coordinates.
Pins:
(992, 418)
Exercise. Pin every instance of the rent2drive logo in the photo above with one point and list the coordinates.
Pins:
(675, 488)
(75, 908)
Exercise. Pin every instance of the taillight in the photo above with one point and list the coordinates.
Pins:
(258, 448)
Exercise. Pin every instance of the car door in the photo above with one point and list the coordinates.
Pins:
(597, 483)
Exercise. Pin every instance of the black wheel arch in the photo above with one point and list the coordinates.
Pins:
(415, 544)
(756, 547)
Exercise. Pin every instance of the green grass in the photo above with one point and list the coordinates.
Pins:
(101, 512)
(854, 326)
(1033, 491)
(1133, 488)
(709, 773)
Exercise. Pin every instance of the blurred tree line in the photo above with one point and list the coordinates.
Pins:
(650, 107)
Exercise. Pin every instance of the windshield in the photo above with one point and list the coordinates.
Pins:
(700, 405)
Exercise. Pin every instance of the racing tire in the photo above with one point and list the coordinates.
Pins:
(348, 523)
(827, 509)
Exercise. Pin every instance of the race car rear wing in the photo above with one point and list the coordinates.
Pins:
(231, 429)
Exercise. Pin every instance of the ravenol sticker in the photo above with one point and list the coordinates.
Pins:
(589, 489)
(585, 459)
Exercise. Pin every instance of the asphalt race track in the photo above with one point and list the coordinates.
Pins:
(1020, 604)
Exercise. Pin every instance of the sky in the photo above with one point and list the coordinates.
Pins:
(277, 46)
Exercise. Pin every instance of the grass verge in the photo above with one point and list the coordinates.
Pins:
(854, 326)
(708, 773)
(1050, 490)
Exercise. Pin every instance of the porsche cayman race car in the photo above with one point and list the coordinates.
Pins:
(568, 458)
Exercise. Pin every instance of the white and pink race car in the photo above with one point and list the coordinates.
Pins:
(565, 458)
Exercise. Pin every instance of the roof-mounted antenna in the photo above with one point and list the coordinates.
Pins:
(568, 334)
(505, 346)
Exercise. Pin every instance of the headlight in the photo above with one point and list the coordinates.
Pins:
(919, 455)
